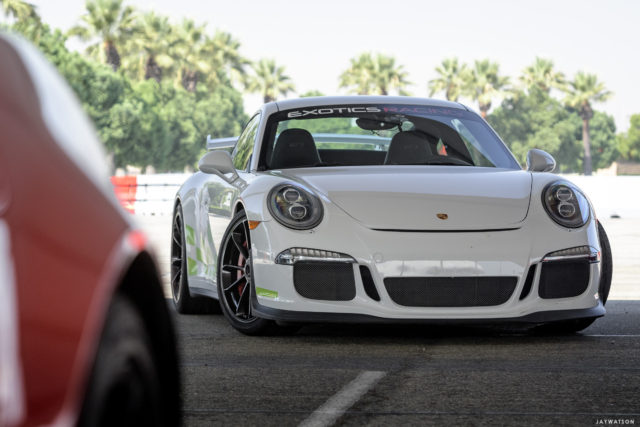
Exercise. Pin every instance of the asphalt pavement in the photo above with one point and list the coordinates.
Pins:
(416, 375)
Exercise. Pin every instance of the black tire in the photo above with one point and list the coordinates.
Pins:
(235, 283)
(124, 385)
(606, 266)
(182, 299)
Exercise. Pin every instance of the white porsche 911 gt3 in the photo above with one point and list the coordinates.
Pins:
(383, 209)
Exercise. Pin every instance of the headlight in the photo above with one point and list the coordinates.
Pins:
(294, 207)
(565, 204)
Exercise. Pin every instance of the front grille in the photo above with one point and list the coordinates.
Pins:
(450, 291)
(329, 281)
(564, 279)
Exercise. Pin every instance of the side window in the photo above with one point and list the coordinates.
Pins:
(244, 146)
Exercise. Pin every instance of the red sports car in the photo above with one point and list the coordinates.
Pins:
(85, 333)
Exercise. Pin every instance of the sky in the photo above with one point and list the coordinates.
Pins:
(314, 41)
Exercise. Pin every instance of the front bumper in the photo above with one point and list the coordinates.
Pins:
(387, 254)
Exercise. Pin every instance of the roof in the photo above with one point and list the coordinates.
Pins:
(288, 104)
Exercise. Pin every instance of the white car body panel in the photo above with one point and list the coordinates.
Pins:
(497, 226)
(372, 195)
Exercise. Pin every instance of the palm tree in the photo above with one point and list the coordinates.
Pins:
(453, 78)
(223, 51)
(189, 49)
(270, 80)
(581, 92)
(18, 9)
(150, 54)
(541, 74)
(374, 75)
(485, 84)
(111, 23)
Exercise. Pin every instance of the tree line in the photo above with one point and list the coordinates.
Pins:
(155, 88)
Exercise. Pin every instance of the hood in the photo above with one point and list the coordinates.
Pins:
(418, 198)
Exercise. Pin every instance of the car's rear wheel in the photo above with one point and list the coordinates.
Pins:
(184, 302)
(235, 279)
(124, 386)
(606, 269)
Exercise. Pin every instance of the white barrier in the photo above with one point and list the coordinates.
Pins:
(610, 195)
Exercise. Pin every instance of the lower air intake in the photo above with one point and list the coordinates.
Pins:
(329, 281)
(450, 291)
(564, 279)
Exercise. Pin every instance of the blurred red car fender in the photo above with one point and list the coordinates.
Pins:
(85, 333)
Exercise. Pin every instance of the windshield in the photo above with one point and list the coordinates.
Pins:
(354, 135)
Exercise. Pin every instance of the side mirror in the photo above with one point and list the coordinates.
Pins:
(217, 162)
(540, 161)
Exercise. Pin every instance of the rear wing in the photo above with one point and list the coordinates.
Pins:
(221, 143)
(380, 143)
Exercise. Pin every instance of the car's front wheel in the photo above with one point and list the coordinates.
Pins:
(235, 278)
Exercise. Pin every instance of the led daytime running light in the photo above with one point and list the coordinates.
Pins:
(293, 255)
(580, 252)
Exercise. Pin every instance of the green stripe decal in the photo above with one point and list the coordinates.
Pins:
(199, 256)
(192, 266)
(261, 292)
(191, 235)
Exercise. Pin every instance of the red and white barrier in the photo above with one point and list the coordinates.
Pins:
(148, 194)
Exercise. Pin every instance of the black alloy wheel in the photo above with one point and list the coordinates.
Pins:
(184, 302)
(235, 278)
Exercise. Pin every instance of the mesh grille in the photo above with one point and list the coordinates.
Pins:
(564, 279)
(330, 281)
(450, 291)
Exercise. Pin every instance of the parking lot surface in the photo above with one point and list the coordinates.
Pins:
(415, 375)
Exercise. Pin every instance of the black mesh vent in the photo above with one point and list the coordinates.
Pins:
(450, 291)
(369, 285)
(526, 289)
(330, 281)
(564, 279)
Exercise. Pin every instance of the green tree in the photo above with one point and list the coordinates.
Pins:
(542, 75)
(311, 93)
(535, 120)
(223, 52)
(111, 24)
(580, 94)
(150, 54)
(189, 49)
(453, 78)
(270, 80)
(135, 132)
(486, 84)
(629, 142)
(19, 10)
(604, 145)
(374, 75)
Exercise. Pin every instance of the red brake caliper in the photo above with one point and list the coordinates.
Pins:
(241, 263)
